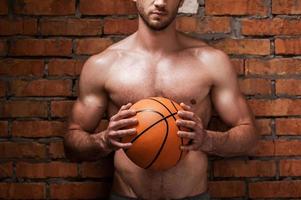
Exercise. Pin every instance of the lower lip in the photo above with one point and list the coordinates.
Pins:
(158, 14)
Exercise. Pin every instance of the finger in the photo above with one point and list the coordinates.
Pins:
(185, 134)
(117, 144)
(126, 132)
(125, 107)
(123, 123)
(186, 123)
(186, 114)
(124, 114)
(184, 106)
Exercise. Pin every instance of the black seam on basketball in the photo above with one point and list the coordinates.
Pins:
(182, 142)
(163, 105)
(173, 105)
(163, 118)
(162, 145)
(149, 110)
(165, 138)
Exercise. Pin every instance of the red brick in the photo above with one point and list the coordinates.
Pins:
(204, 25)
(264, 148)
(277, 148)
(71, 27)
(100, 169)
(56, 150)
(244, 46)
(45, 7)
(78, 190)
(214, 25)
(290, 167)
(104, 7)
(6, 170)
(46, 170)
(228, 189)
(38, 128)
(187, 24)
(18, 26)
(277, 66)
(278, 107)
(61, 67)
(41, 47)
(290, 46)
(120, 26)
(22, 150)
(287, 148)
(255, 86)
(264, 126)
(286, 7)
(24, 109)
(20, 67)
(41, 87)
(238, 64)
(3, 7)
(2, 88)
(3, 47)
(290, 126)
(275, 189)
(92, 45)
(61, 108)
(275, 26)
(238, 168)
(22, 190)
(4, 129)
(288, 87)
(236, 7)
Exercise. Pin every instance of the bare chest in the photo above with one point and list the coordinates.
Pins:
(181, 81)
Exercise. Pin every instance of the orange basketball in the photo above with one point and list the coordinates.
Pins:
(156, 145)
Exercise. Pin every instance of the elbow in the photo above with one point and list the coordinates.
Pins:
(69, 148)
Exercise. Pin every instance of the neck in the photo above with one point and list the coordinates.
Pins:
(157, 41)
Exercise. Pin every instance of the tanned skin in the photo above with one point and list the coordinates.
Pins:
(157, 60)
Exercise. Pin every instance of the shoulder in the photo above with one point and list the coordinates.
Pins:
(217, 63)
(202, 51)
(102, 62)
(98, 64)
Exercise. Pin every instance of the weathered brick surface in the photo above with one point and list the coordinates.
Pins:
(44, 45)
(45, 7)
(3, 7)
(236, 7)
(286, 7)
(22, 190)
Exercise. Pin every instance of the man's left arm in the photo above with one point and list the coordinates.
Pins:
(231, 106)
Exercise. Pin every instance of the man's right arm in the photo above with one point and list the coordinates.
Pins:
(80, 142)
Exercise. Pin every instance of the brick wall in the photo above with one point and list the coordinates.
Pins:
(43, 45)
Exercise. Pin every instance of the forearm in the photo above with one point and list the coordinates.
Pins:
(82, 146)
(234, 142)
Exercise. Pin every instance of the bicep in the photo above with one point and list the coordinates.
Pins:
(91, 104)
(87, 113)
(227, 98)
(231, 105)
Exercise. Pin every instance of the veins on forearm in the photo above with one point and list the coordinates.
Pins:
(234, 142)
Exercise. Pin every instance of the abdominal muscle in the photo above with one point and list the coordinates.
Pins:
(187, 178)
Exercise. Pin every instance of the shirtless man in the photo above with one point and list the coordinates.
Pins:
(157, 60)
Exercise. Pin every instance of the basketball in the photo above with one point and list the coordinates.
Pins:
(156, 146)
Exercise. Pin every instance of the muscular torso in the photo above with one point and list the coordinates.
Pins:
(180, 76)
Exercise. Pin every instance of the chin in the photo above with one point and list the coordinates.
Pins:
(158, 26)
